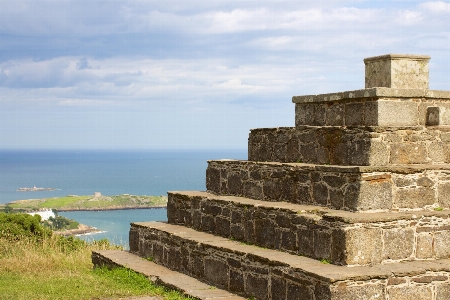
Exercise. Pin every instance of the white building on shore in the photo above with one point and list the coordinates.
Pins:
(45, 214)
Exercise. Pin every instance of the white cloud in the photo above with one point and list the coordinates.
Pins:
(436, 7)
(408, 18)
(191, 60)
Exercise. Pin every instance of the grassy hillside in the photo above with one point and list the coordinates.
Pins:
(90, 202)
(34, 264)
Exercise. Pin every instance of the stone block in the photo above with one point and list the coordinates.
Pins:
(252, 190)
(354, 114)
(299, 292)
(319, 115)
(271, 190)
(399, 71)
(357, 246)
(416, 292)
(424, 248)
(288, 241)
(399, 243)
(359, 152)
(265, 233)
(443, 291)
(223, 226)
(373, 194)
(237, 232)
(213, 178)
(370, 112)
(363, 292)
(378, 154)
(320, 193)
(436, 152)
(408, 153)
(335, 114)
(234, 183)
(257, 286)
(322, 244)
(236, 284)
(277, 288)
(304, 114)
(444, 194)
(305, 241)
(217, 271)
(442, 244)
(414, 197)
(389, 112)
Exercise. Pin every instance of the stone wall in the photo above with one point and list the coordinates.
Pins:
(341, 238)
(252, 275)
(377, 146)
(367, 108)
(338, 187)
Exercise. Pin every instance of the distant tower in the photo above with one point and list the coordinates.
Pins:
(97, 194)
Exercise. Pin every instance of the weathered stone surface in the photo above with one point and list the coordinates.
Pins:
(404, 154)
(375, 111)
(388, 110)
(161, 275)
(414, 197)
(357, 246)
(424, 248)
(442, 291)
(374, 93)
(267, 273)
(338, 187)
(341, 237)
(442, 244)
(397, 71)
(374, 194)
(443, 194)
(374, 146)
(401, 243)
(410, 292)
(366, 291)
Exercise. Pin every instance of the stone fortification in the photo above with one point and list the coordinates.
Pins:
(351, 203)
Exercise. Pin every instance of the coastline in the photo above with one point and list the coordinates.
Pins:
(110, 208)
(81, 230)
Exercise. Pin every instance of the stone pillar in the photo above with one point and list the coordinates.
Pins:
(399, 71)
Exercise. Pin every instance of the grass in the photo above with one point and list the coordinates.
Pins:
(89, 202)
(59, 268)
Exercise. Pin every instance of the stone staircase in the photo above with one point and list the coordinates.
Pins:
(351, 203)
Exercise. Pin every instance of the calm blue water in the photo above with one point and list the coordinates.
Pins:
(115, 223)
(83, 172)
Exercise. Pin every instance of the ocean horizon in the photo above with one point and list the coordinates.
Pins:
(110, 172)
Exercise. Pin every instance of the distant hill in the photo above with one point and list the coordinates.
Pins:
(97, 202)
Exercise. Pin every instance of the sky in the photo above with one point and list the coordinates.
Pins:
(191, 74)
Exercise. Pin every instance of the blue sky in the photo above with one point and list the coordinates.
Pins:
(191, 74)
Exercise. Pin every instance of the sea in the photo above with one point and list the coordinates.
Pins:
(110, 172)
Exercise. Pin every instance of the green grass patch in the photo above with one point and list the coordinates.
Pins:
(90, 202)
(34, 264)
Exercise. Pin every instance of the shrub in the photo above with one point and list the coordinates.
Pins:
(16, 226)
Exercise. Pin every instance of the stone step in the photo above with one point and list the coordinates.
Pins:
(357, 146)
(375, 106)
(268, 274)
(339, 237)
(161, 275)
(354, 188)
